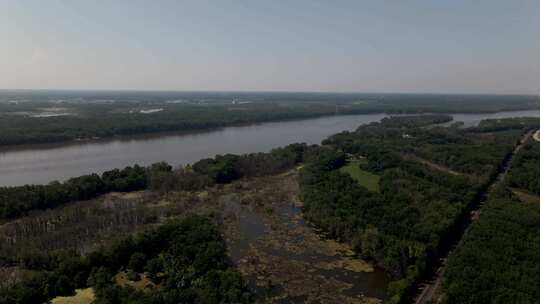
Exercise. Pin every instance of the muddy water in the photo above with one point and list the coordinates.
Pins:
(39, 164)
(285, 261)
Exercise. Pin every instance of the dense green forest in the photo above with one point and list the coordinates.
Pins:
(525, 171)
(429, 177)
(498, 259)
(185, 258)
(50, 116)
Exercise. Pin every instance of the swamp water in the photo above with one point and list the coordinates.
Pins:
(286, 261)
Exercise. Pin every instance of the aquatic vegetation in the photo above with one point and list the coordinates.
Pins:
(282, 257)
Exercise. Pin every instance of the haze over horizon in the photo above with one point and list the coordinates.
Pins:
(307, 46)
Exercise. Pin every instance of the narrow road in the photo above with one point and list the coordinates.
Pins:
(430, 292)
(431, 164)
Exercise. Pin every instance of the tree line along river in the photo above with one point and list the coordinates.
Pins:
(40, 164)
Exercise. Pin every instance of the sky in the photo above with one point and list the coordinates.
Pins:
(436, 46)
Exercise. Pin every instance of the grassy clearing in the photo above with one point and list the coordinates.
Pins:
(143, 283)
(526, 197)
(82, 296)
(364, 178)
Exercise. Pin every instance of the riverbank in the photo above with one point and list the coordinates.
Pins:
(41, 164)
(536, 135)
(63, 162)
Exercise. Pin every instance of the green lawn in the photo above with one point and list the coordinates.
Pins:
(364, 178)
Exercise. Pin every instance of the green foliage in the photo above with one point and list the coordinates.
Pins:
(404, 226)
(498, 260)
(518, 123)
(18, 201)
(409, 121)
(225, 168)
(220, 170)
(188, 253)
(137, 262)
(525, 171)
(133, 276)
(153, 267)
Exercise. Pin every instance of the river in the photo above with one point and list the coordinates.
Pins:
(39, 164)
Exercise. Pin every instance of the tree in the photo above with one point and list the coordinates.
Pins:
(137, 262)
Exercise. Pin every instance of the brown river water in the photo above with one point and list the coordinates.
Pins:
(39, 164)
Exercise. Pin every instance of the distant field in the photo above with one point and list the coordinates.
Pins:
(364, 178)
(82, 296)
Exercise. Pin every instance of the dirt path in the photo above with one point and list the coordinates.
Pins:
(432, 164)
(430, 292)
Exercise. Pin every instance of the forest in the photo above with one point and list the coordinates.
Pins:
(429, 177)
(498, 261)
(19, 201)
(46, 117)
(499, 257)
(526, 169)
(185, 260)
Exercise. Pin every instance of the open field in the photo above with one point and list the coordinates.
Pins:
(82, 296)
(364, 178)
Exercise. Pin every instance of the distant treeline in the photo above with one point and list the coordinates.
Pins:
(186, 257)
(102, 121)
(94, 115)
(518, 123)
(455, 101)
(19, 201)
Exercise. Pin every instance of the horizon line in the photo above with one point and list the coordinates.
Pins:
(263, 91)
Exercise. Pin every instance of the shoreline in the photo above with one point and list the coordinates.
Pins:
(164, 134)
(536, 136)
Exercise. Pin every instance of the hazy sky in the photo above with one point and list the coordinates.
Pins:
(456, 46)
